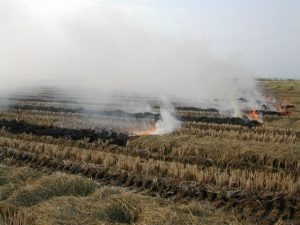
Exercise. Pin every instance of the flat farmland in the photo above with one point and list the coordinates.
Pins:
(62, 160)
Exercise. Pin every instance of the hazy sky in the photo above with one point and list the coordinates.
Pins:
(262, 34)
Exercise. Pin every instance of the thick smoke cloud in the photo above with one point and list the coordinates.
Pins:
(110, 47)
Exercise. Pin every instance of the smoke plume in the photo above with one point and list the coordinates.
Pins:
(168, 123)
(100, 46)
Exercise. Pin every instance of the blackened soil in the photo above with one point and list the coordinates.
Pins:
(18, 127)
(221, 120)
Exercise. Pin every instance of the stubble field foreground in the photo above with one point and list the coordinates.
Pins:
(58, 165)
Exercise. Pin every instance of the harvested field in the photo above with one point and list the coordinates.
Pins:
(215, 169)
(47, 197)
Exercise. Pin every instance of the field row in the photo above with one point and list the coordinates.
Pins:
(259, 205)
(107, 136)
(27, 194)
(264, 137)
(226, 178)
(79, 121)
(131, 125)
(263, 129)
(73, 106)
(184, 149)
(114, 117)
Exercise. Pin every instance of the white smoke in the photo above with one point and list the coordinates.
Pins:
(98, 45)
(168, 122)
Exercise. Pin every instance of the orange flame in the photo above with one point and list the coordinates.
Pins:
(283, 110)
(146, 132)
(254, 115)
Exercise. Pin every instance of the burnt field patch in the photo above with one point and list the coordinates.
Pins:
(114, 113)
(221, 120)
(214, 116)
(19, 127)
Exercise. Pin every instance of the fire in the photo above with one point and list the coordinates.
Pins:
(146, 132)
(281, 110)
(285, 107)
(254, 115)
(267, 107)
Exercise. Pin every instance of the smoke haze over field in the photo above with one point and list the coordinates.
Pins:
(104, 46)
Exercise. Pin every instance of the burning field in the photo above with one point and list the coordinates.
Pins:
(61, 161)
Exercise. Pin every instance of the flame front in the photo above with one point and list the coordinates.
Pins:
(146, 132)
(254, 115)
(285, 107)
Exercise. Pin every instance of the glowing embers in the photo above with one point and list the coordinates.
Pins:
(285, 108)
(143, 131)
(256, 111)
(146, 132)
(255, 115)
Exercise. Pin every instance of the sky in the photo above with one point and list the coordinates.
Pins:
(206, 49)
(263, 34)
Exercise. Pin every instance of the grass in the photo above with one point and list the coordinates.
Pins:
(51, 186)
(68, 199)
(13, 179)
